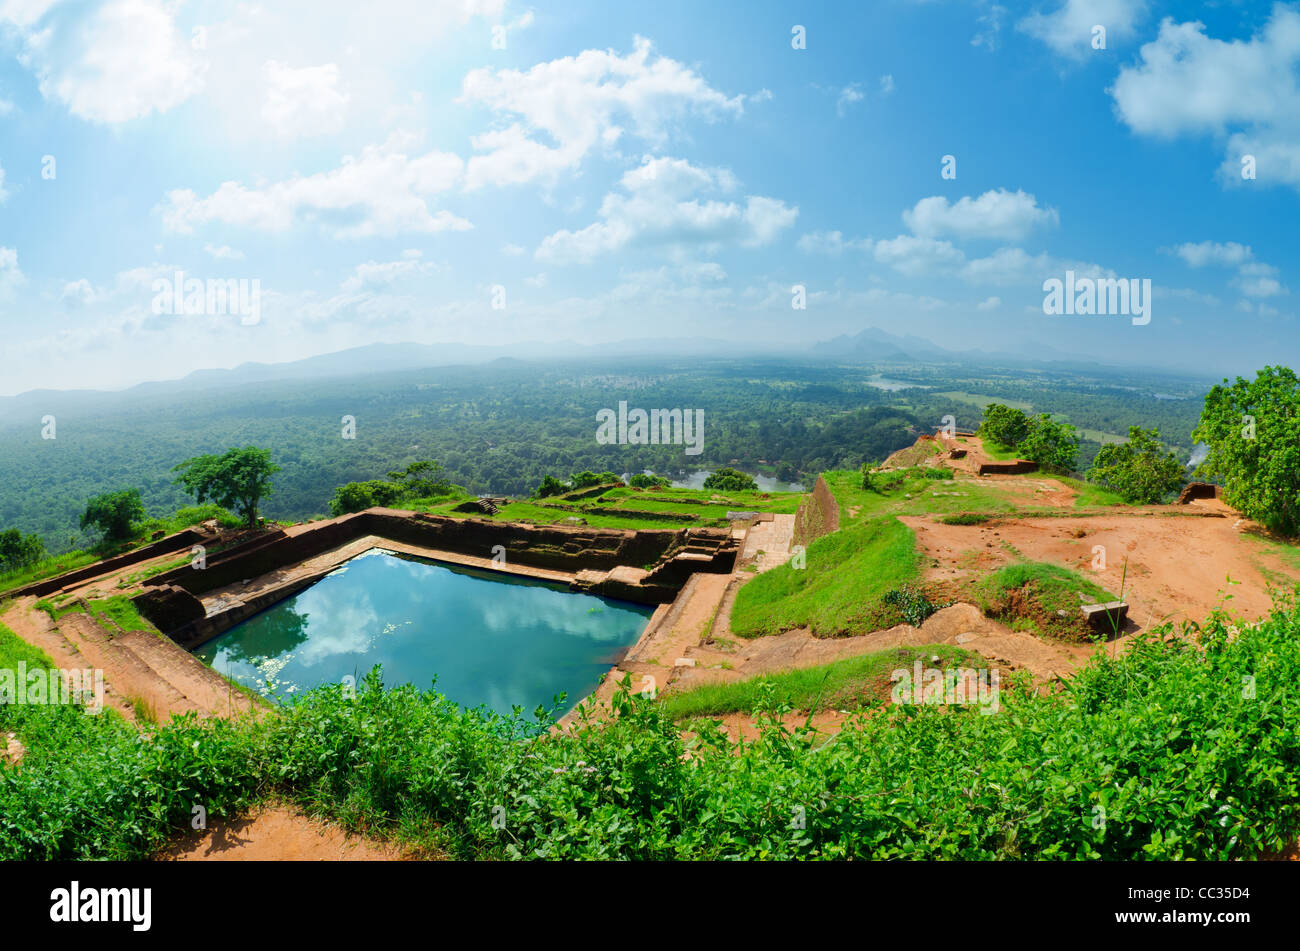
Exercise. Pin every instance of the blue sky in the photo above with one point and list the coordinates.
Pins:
(610, 171)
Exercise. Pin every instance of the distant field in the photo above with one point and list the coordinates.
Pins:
(982, 400)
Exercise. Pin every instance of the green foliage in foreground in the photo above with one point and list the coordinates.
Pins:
(842, 588)
(1164, 744)
(846, 684)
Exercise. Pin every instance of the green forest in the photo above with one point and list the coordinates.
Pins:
(504, 427)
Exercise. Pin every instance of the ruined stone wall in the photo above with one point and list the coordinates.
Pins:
(1018, 467)
(165, 546)
(817, 516)
(563, 549)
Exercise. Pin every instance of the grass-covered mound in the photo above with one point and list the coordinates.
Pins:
(1041, 596)
(848, 684)
(841, 589)
(1175, 750)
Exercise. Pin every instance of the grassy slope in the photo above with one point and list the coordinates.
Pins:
(1032, 593)
(840, 590)
(847, 684)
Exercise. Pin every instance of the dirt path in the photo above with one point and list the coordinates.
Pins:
(1178, 566)
(278, 833)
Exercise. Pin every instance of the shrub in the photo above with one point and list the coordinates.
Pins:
(728, 479)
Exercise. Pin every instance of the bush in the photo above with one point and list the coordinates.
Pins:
(912, 602)
(728, 479)
(358, 496)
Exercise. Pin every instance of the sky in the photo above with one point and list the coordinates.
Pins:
(488, 171)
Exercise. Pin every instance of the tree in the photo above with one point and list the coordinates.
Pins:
(1141, 470)
(238, 479)
(358, 496)
(551, 486)
(1250, 430)
(728, 479)
(18, 550)
(114, 513)
(1004, 425)
(421, 480)
(1052, 445)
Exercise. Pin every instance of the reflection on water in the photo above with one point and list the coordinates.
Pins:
(488, 638)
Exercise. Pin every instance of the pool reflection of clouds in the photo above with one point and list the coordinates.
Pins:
(492, 642)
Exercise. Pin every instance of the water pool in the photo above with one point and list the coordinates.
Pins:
(489, 638)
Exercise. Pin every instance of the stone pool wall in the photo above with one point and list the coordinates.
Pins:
(653, 564)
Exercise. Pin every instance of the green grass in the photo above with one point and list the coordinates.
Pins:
(917, 495)
(848, 684)
(841, 589)
(966, 518)
(1001, 453)
(119, 612)
(1090, 495)
(1034, 591)
(56, 611)
(47, 568)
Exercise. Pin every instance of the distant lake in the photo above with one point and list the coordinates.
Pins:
(765, 483)
(881, 383)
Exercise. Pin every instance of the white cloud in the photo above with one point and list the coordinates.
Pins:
(832, 242)
(990, 27)
(305, 101)
(3, 194)
(382, 192)
(1212, 252)
(11, 276)
(1248, 90)
(914, 256)
(224, 252)
(989, 303)
(382, 274)
(1068, 28)
(122, 60)
(886, 84)
(578, 103)
(848, 96)
(1254, 278)
(658, 210)
(994, 214)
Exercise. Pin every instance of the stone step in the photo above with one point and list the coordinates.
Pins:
(130, 676)
(189, 676)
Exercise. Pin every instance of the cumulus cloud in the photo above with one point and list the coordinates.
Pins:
(1068, 29)
(120, 60)
(658, 207)
(1254, 278)
(557, 112)
(995, 214)
(848, 96)
(382, 192)
(1244, 91)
